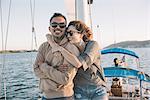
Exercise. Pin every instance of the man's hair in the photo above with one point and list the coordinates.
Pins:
(58, 15)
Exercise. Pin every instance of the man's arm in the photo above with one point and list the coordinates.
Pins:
(43, 70)
(58, 76)
(39, 59)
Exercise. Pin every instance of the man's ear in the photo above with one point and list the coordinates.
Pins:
(49, 28)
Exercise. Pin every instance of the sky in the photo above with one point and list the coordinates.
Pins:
(112, 20)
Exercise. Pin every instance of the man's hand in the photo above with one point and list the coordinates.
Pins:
(63, 68)
(40, 63)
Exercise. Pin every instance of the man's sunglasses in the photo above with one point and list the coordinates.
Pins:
(61, 25)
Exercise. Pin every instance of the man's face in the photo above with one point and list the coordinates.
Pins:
(57, 27)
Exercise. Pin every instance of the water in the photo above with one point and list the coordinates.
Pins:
(21, 82)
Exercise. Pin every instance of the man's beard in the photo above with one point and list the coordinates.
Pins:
(58, 39)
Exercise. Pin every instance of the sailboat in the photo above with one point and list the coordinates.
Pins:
(117, 73)
(81, 11)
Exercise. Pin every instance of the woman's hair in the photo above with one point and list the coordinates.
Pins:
(83, 29)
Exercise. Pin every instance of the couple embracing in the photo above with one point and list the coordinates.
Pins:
(68, 64)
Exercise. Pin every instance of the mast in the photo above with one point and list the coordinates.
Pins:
(83, 11)
(79, 10)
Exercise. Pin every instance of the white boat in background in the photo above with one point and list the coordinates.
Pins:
(125, 81)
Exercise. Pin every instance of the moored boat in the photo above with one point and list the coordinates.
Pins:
(125, 80)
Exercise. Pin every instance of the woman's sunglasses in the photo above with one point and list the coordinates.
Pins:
(61, 25)
(72, 32)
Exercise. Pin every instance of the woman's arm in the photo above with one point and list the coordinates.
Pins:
(91, 51)
(85, 59)
(71, 58)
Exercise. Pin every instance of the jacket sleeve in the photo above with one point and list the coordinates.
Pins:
(70, 57)
(39, 58)
(87, 57)
(58, 76)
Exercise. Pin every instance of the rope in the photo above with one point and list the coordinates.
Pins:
(4, 44)
(32, 8)
(114, 25)
(75, 9)
(7, 25)
(90, 14)
(34, 40)
(146, 20)
(1, 24)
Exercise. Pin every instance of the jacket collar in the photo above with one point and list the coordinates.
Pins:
(63, 42)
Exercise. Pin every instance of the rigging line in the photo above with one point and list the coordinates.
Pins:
(90, 15)
(4, 44)
(75, 9)
(1, 25)
(146, 19)
(32, 21)
(113, 23)
(32, 8)
(7, 25)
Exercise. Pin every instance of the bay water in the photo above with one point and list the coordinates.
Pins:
(16, 73)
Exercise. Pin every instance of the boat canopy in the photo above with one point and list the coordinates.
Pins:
(125, 72)
(119, 50)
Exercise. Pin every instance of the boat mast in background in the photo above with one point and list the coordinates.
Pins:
(79, 10)
(83, 11)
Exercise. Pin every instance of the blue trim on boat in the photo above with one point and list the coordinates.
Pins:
(125, 72)
(119, 50)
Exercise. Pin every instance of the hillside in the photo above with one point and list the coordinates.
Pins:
(131, 44)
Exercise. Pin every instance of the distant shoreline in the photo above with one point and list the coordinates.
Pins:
(131, 44)
(124, 44)
(17, 51)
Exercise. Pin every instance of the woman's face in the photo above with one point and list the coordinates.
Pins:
(73, 34)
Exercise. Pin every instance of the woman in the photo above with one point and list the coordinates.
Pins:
(89, 81)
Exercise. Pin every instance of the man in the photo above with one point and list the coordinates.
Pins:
(55, 83)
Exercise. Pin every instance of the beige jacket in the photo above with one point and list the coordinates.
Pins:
(54, 83)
